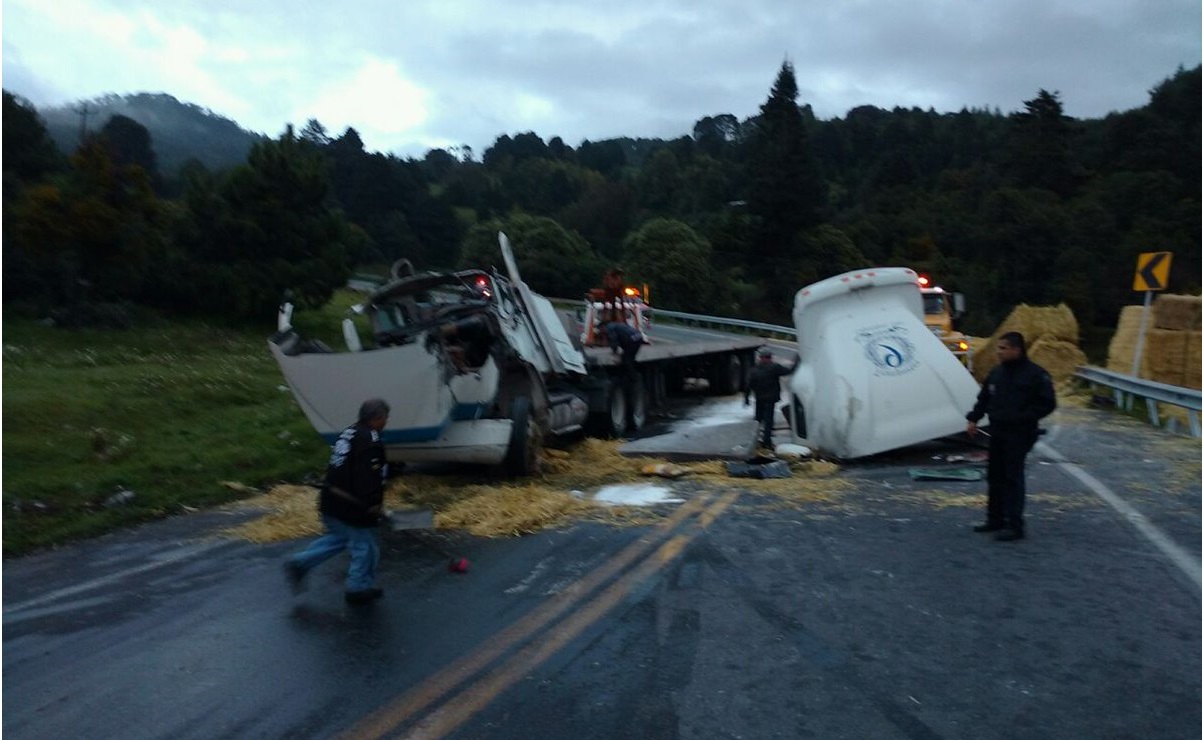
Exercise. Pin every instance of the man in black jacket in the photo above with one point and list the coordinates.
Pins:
(764, 383)
(623, 337)
(1016, 395)
(350, 504)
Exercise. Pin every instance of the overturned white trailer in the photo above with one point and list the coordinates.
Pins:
(871, 376)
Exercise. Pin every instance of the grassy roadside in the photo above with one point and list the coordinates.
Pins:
(169, 411)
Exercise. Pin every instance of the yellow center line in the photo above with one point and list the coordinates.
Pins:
(477, 695)
(417, 699)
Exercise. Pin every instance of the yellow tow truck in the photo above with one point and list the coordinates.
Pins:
(941, 309)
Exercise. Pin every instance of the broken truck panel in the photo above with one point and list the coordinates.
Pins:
(872, 377)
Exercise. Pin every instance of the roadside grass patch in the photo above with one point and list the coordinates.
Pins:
(163, 410)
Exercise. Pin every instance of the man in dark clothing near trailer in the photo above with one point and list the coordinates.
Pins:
(627, 339)
(764, 383)
(351, 505)
(1017, 394)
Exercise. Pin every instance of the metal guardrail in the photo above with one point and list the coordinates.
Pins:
(692, 319)
(698, 320)
(1126, 388)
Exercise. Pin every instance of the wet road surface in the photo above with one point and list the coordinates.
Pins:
(877, 614)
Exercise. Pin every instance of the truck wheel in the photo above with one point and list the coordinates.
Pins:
(638, 403)
(522, 454)
(727, 375)
(613, 421)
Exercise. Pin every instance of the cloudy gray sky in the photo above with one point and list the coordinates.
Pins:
(410, 75)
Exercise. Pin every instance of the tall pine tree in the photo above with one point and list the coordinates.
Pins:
(785, 191)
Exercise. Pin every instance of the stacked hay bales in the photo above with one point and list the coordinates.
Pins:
(1052, 336)
(1171, 351)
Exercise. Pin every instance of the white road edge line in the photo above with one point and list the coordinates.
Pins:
(1177, 555)
(184, 552)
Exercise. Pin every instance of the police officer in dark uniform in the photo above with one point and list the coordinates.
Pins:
(1016, 395)
(764, 384)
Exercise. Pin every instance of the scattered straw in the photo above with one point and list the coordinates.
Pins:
(290, 512)
(491, 507)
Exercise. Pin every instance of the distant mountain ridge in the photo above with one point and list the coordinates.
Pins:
(179, 131)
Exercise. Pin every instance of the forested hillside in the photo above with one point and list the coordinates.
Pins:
(731, 218)
(179, 131)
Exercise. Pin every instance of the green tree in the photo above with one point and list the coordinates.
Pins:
(786, 191)
(129, 144)
(29, 153)
(100, 230)
(555, 262)
(829, 251)
(1039, 146)
(675, 261)
(659, 181)
(265, 228)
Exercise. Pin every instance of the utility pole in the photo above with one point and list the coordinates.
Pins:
(83, 112)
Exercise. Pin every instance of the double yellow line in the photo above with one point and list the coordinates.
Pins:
(471, 692)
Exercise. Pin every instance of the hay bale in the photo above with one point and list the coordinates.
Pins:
(1054, 323)
(1164, 356)
(1177, 312)
(1124, 341)
(1191, 360)
(1058, 357)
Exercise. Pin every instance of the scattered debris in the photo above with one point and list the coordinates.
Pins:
(792, 452)
(236, 486)
(759, 467)
(634, 495)
(121, 498)
(404, 519)
(108, 445)
(962, 474)
(664, 470)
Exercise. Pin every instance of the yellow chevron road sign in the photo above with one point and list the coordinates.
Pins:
(1153, 269)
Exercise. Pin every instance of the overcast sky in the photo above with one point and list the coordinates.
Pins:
(410, 75)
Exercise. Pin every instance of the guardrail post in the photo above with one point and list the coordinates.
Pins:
(1193, 423)
(1151, 407)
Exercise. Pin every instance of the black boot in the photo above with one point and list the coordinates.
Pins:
(1010, 534)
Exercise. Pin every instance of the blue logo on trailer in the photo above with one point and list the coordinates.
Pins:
(889, 349)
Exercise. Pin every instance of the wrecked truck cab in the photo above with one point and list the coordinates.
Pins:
(871, 376)
(473, 365)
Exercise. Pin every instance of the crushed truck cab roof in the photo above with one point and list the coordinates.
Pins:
(871, 376)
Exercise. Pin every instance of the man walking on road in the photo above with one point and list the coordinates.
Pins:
(350, 504)
(1017, 394)
(764, 384)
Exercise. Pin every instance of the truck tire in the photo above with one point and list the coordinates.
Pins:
(727, 375)
(612, 422)
(637, 403)
(522, 454)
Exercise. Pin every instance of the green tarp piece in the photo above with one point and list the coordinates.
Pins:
(945, 473)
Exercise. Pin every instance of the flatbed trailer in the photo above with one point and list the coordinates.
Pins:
(619, 402)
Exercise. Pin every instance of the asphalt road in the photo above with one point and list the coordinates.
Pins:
(876, 614)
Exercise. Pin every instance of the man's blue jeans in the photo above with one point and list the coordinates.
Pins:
(360, 543)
